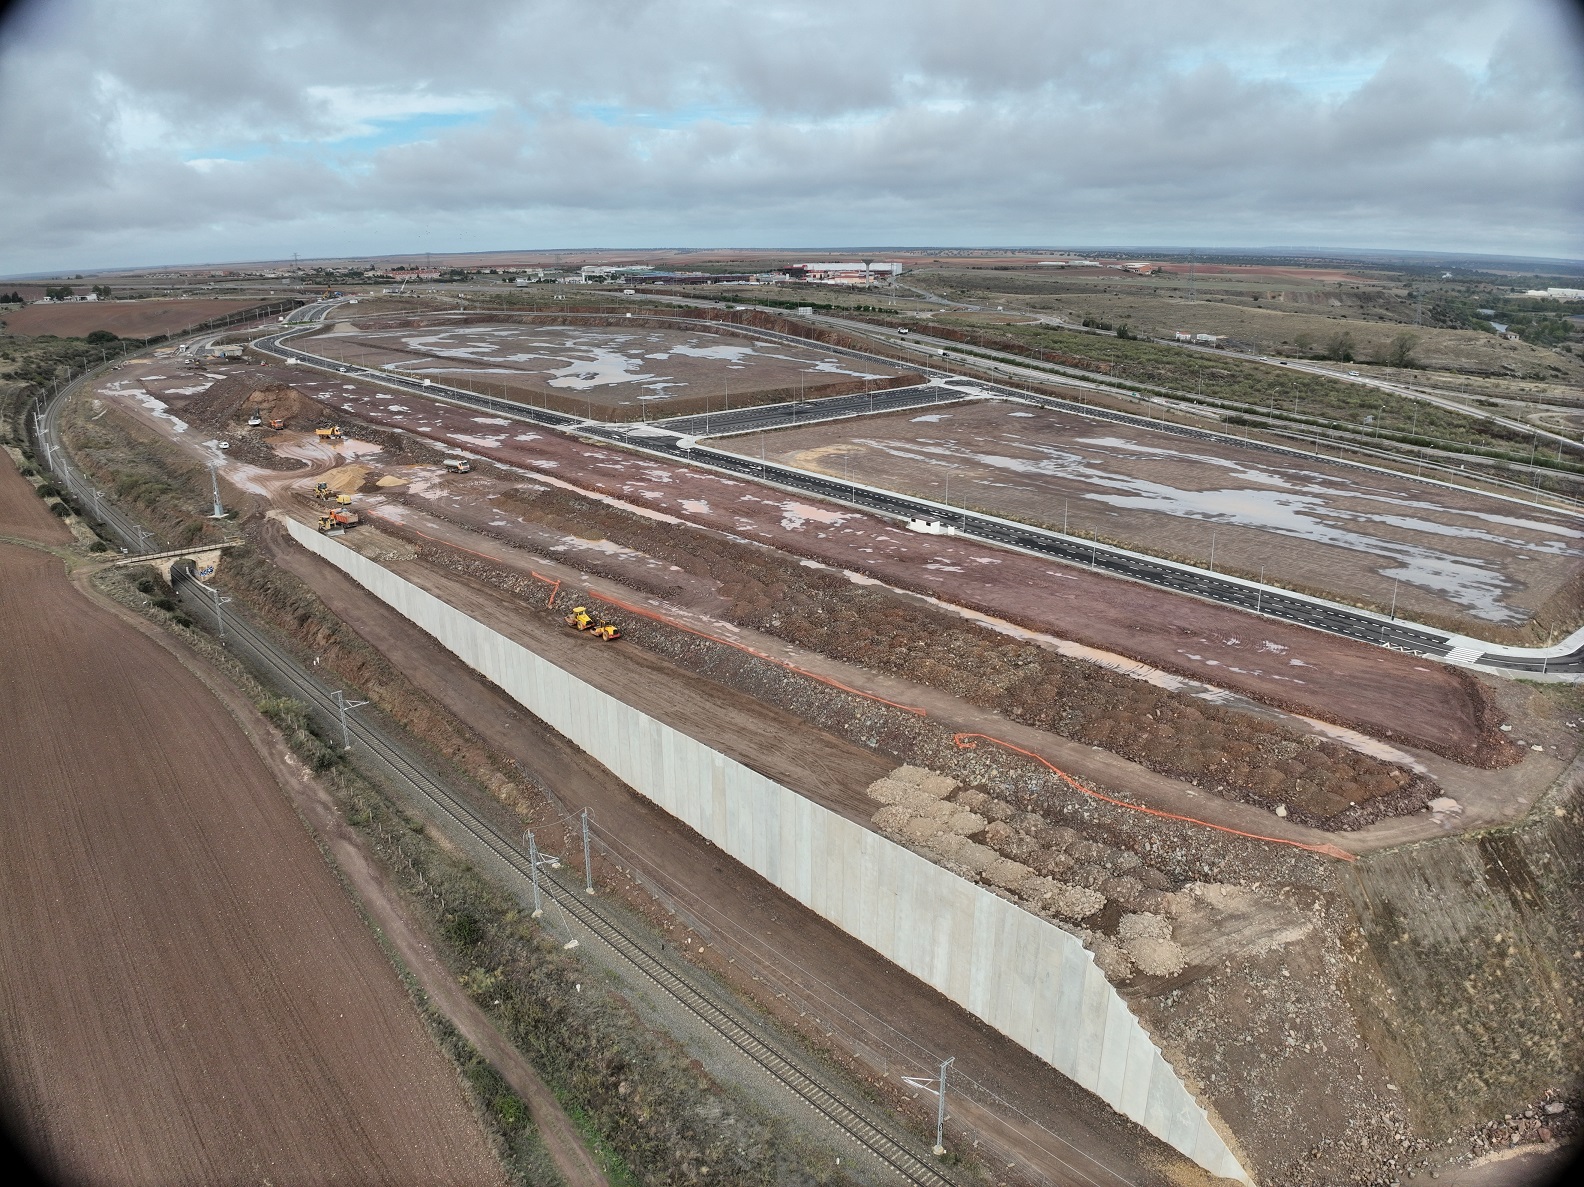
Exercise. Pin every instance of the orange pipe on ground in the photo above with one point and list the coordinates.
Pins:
(966, 742)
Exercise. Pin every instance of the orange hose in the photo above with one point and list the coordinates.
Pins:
(966, 742)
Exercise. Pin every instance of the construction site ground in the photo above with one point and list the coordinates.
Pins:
(613, 370)
(1467, 559)
(189, 993)
(1385, 693)
(869, 1015)
(1246, 954)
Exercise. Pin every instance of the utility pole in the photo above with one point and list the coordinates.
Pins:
(588, 868)
(940, 1110)
(1395, 583)
(1212, 549)
(342, 706)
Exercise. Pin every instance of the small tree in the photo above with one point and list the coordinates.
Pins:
(1340, 347)
(1401, 351)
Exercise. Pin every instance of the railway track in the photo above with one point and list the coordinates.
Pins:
(284, 672)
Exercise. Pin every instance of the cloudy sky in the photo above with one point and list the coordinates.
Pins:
(189, 131)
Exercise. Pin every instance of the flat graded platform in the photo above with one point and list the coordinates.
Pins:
(188, 994)
(130, 319)
(600, 369)
(1451, 554)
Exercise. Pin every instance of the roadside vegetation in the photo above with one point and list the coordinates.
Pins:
(1298, 397)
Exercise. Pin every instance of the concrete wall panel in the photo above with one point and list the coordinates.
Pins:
(1027, 978)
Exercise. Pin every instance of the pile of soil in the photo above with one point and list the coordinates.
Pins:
(237, 397)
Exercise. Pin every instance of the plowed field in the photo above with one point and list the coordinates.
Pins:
(130, 319)
(187, 993)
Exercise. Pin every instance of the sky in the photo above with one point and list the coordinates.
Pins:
(182, 131)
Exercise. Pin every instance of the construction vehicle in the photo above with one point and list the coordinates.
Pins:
(277, 424)
(333, 523)
(332, 433)
(322, 490)
(458, 465)
(255, 420)
(584, 621)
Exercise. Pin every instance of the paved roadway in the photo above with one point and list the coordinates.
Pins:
(675, 440)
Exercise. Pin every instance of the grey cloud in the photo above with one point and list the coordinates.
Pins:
(935, 120)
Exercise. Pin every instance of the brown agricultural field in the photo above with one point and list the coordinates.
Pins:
(128, 319)
(188, 993)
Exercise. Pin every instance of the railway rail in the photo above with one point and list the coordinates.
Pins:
(785, 1068)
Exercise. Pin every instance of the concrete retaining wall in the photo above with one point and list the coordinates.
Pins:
(1027, 978)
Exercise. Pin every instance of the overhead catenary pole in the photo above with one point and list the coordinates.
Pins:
(588, 867)
(940, 1109)
(342, 707)
(533, 870)
(220, 617)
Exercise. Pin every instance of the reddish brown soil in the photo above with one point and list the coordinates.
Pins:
(1384, 693)
(129, 319)
(188, 993)
(22, 513)
(873, 1015)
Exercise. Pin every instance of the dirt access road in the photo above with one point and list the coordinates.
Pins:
(188, 994)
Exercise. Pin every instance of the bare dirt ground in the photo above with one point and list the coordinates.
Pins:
(129, 319)
(1311, 526)
(1384, 693)
(1257, 1017)
(189, 995)
(869, 1014)
(606, 370)
(22, 513)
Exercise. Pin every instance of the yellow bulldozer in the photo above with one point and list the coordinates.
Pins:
(323, 490)
(599, 628)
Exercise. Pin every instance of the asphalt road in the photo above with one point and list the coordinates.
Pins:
(1245, 595)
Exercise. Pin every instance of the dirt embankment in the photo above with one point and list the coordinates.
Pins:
(1235, 754)
(189, 994)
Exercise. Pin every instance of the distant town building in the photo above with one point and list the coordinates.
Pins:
(844, 272)
(1556, 294)
(1183, 336)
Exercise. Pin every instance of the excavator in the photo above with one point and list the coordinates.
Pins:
(584, 621)
(333, 523)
